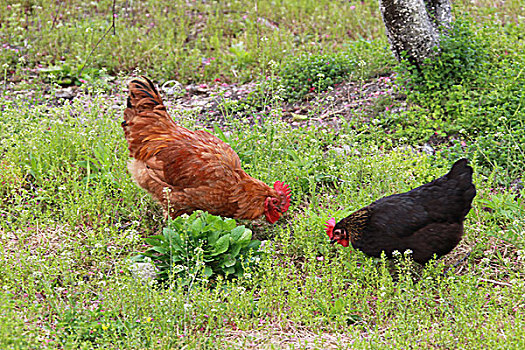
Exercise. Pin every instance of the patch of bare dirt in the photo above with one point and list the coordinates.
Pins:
(289, 338)
(345, 101)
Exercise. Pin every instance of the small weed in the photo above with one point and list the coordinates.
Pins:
(313, 73)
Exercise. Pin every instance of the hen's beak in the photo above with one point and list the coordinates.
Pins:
(332, 241)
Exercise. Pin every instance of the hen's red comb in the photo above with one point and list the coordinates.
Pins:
(330, 224)
(284, 191)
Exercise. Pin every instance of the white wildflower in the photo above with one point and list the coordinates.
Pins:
(521, 255)
(144, 271)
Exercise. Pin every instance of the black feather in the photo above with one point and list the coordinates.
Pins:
(152, 86)
(140, 83)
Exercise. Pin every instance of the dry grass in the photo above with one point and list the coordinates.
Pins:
(289, 337)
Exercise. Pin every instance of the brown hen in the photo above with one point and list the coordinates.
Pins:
(190, 170)
(427, 220)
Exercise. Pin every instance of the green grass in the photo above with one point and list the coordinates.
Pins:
(192, 41)
(71, 218)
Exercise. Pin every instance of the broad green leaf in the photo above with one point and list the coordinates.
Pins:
(150, 254)
(237, 232)
(222, 245)
(239, 269)
(338, 306)
(255, 244)
(246, 237)
(160, 249)
(212, 221)
(192, 217)
(157, 237)
(234, 250)
(212, 237)
(228, 261)
(175, 241)
(155, 241)
(175, 223)
(138, 258)
(196, 226)
(208, 271)
(229, 270)
(229, 224)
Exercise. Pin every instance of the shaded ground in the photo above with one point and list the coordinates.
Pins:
(210, 102)
(346, 100)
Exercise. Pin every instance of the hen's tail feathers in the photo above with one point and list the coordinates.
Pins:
(143, 95)
(147, 125)
(462, 173)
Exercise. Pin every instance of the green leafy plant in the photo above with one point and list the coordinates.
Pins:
(337, 308)
(98, 168)
(461, 58)
(241, 57)
(313, 73)
(66, 75)
(10, 178)
(443, 89)
(202, 243)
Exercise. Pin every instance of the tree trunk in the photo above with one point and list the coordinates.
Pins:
(440, 13)
(413, 27)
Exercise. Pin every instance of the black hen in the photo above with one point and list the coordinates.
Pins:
(427, 220)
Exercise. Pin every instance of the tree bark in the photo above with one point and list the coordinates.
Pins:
(413, 27)
(440, 12)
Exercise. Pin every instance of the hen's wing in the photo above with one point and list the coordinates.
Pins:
(398, 215)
